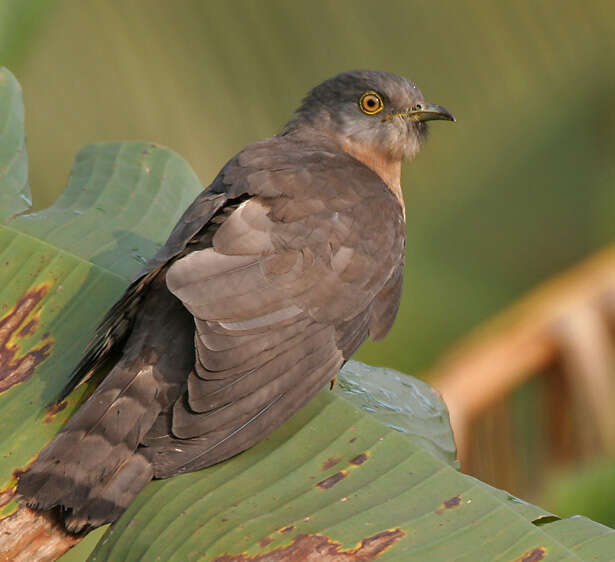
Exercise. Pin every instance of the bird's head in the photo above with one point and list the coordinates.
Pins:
(367, 110)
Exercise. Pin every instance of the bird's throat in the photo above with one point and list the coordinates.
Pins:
(387, 168)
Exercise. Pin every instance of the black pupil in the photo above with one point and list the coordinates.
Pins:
(371, 103)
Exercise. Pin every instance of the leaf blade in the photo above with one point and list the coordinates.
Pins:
(15, 194)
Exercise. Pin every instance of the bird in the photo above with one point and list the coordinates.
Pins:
(270, 281)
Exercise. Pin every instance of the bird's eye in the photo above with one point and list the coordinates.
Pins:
(371, 103)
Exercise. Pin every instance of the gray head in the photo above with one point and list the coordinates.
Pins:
(375, 110)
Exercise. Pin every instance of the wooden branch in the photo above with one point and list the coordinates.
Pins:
(565, 319)
(33, 536)
(588, 359)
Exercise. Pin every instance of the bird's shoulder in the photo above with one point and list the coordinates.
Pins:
(296, 179)
(300, 194)
(291, 167)
(331, 229)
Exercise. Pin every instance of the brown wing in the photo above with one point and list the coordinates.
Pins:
(282, 298)
(118, 322)
(193, 229)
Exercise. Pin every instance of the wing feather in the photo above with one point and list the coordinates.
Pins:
(207, 393)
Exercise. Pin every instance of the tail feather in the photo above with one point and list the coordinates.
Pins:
(110, 334)
(93, 468)
(89, 468)
(106, 502)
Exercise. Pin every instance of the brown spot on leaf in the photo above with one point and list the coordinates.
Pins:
(16, 368)
(352, 440)
(287, 529)
(359, 459)
(8, 493)
(533, 555)
(332, 480)
(451, 503)
(319, 548)
(28, 329)
(18, 472)
(330, 463)
(264, 542)
(53, 410)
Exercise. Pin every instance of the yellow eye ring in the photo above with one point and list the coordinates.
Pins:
(371, 103)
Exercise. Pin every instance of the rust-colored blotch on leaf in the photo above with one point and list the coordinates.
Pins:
(13, 325)
(332, 480)
(54, 409)
(534, 555)
(319, 548)
(7, 494)
(451, 503)
(265, 541)
(359, 459)
(330, 463)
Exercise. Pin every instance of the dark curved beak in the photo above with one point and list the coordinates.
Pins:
(424, 111)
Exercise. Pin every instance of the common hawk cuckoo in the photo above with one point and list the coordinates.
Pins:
(270, 281)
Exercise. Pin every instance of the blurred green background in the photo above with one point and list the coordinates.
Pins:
(520, 188)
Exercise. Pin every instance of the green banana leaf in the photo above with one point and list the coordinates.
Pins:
(14, 188)
(364, 472)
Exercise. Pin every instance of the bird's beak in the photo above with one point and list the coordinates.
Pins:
(424, 111)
